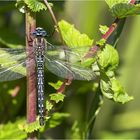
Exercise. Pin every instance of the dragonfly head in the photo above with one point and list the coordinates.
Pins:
(39, 32)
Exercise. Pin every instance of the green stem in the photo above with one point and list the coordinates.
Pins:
(93, 112)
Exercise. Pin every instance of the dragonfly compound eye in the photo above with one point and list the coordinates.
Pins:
(39, 32)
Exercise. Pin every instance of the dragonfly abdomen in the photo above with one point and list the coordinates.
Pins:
(40, 85)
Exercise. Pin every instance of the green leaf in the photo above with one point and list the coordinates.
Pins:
(72, 37)
(101, 42)
(57, 97)
(35, 5)
(119, 93)
(56, 119)
(30, 127)
(103, 29)
(56, 85)
(109, 58)
(49, 105)
(112, 89)
(21, 6)
(11, 130)
(105, 86)
(34, 126)
(88, 62)
(122, 8)
(125, 10)
(111, 3)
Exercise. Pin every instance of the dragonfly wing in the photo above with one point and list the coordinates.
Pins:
(16, 71)
(69, 71)
(66, 63)
(71, 55)
(12, 64)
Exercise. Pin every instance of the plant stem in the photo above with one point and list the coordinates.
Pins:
(31, 73)
(54, 19)
(93, 112)
(111, 29)
(93, 50)
(132, 1)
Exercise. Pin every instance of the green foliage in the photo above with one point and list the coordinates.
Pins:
(107, 64)
(119, 92)
(125, 10)
(57, 97)
(49, 105)
(52, 121)
(56, 85)
(21, 6)
(11, 130)
(110, 87)
(122, 8)
(72, 37)
(109, 58)
(56, 119)
(111, 3)
(88, 62)
(101, 42)
(35, 5)
(28, 128)
(103, 29)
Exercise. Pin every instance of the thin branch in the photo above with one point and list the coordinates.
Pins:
(63, 86)
(54, 19)
(111, 29)
(93, 50)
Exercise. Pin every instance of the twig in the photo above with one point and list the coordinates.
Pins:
(111, 29)
(54, 19)
(93, 50)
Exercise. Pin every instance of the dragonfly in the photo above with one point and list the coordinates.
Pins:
(59, 60)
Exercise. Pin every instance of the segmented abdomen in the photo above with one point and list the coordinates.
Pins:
(40, 85)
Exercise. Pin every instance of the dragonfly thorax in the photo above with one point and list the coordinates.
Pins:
(39, 46)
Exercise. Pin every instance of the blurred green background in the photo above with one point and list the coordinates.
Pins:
(114, 120)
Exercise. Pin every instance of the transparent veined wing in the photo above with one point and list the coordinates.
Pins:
(66, 63)
(12, 64)
(64, 52)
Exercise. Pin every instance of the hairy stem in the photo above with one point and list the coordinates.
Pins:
(31, 73)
